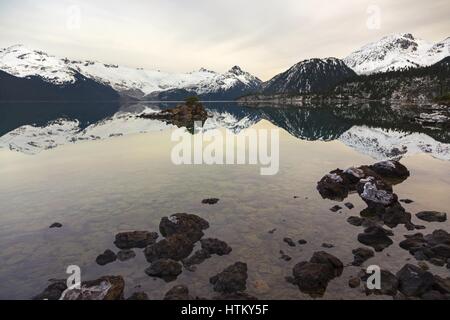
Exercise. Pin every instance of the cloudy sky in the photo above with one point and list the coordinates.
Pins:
(263, 37)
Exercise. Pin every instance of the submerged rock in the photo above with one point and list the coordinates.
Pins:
(407, 201)
(210, 201)
(135, 239)
(188, 225)
(349, 205)
(235, 296)
(354, 282)
(56, 225)
(284, 256)
(376, 237)
(215, 246)
(106, 257)
(198, 257)
(104, 288)
(166, 269)
(180, 292)
(361, 255)
(432, 216)
(302, 242)
(335, 208)
(138, 296)
(289, 242)
(232, 279)
(124, 255)
(53, 291)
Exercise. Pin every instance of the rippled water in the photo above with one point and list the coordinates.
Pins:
(99, 188)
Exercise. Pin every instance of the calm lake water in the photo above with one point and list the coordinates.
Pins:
(99, 187)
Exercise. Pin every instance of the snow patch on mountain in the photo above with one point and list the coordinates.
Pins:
(382, 144)
(396, 52)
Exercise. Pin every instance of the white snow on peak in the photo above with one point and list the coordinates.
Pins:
(22, 62)
(382, 144)
(397, 51)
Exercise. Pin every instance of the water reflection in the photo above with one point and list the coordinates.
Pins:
(377, 129)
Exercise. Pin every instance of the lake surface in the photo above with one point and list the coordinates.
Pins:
(101, 171)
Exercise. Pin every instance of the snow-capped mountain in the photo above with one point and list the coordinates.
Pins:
(397, 51)
(227, 86)
(21, 61)
(309, 76)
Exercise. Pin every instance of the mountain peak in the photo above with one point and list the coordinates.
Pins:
(236, 70)
(395, 52)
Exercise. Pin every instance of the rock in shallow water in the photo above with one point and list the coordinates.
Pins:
(53, 291)
(361, 255)
(135, 239)
(413, 281)
(176, 247)
(289, 242)
(215, 246)
(138, 296)
(104, 288)
(210, 201)
(166, 269)
(232, 279)
(188, 225)
(106, 257)
(180, 292)
(312, 277)
(124, 255)
(55, 225)
(432, 216)
(376, 237)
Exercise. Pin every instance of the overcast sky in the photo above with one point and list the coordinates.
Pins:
(263, 37)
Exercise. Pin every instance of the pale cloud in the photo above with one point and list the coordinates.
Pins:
(262, 36)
